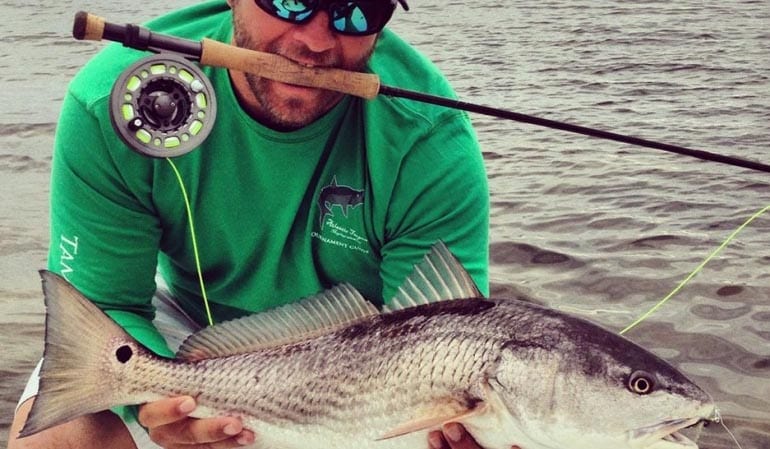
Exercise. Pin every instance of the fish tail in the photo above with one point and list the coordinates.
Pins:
(73, 378)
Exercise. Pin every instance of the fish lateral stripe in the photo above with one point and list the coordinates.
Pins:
(407, 321)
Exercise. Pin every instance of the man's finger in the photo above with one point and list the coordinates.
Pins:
(200, 431)
(211, 432)
(436, 440)
(454, 436)
(458, 438)
(165, 411)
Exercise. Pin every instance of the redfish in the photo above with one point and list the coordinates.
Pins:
(333, 371)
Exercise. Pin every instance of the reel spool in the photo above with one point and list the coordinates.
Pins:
(163, 106)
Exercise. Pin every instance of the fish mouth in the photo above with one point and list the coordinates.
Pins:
(666, 435)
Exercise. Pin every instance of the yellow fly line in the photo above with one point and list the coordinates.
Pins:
(194, 241)
(696, 271)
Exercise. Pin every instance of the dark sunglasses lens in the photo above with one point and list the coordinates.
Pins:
(353, 17)
(360, 17)
(291, 10)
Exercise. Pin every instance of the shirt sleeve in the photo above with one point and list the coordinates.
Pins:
(104, 234)
(441, 194)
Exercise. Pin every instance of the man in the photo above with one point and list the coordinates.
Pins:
(266, 232)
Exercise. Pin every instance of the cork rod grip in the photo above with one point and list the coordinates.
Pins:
(88, 27)
(275, 67)
(210, 52)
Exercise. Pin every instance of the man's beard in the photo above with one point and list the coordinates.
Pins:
(289, 113)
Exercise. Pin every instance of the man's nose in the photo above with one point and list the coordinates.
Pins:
(316, 34)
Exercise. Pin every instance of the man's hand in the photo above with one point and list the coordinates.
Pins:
(171, 427)
(454, 436)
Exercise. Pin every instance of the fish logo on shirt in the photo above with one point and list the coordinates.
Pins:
(343, 196)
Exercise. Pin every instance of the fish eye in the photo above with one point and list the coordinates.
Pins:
(124, 353)
(641, 382)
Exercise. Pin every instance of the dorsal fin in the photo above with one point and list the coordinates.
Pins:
(439, 277)
(312, 316)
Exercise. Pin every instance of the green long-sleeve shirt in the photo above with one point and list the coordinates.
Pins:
(359, 196)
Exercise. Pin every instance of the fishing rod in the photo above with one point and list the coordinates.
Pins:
(365, 85)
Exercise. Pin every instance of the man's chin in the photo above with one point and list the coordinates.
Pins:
(295, 106)
(288, 115)
(285, 107)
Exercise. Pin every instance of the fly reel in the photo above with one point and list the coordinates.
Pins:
(163, 106)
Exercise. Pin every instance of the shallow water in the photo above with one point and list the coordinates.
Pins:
(595, 228)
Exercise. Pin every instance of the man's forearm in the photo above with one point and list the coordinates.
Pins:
(96, 431)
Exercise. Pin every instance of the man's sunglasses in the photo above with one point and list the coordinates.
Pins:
(350, 17)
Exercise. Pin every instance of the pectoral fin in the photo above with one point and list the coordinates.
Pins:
(435, 416)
